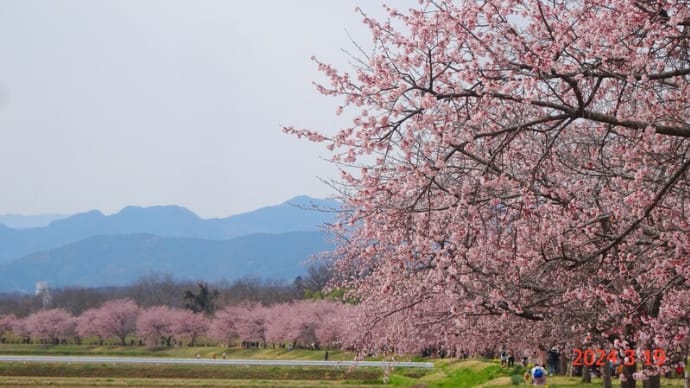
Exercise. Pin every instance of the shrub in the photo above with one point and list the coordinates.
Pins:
(516, 379)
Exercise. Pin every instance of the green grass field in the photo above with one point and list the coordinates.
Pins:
(445, 374)
(149, 375)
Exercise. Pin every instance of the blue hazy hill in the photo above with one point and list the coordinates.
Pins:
(121, 259)
(299, 213)
(165, 221)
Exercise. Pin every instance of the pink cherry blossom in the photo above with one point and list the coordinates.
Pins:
(529, 179)
(50, 325)
(116, 318)
(7, 323)
(155, 325)
(189, 326)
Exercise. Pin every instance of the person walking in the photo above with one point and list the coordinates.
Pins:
(553, 359)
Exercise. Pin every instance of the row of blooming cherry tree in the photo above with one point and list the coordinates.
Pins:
(304, 322)
(516, 172)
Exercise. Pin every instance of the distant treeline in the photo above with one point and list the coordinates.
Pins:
(164, 290)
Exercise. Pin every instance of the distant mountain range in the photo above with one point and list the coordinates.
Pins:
(92, 249)
(119, 260)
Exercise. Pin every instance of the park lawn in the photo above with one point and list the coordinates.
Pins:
(571, 382)
(462, 374)
(485, 374)
(552, 381)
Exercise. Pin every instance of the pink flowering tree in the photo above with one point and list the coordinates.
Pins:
(334, 320)
(50, 325)
(86, 324)
(305, 322)
(251, 323)
(156, 324)
(224, 326)
(18, 327)
(318, 322)
(515, 163)
(7, 324)
(116, 318)
(246, 322)
(279, 323)
(189, 326)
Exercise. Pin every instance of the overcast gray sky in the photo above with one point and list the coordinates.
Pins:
(110, 103)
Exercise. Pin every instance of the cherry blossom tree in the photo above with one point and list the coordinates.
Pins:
(303, 322)
(117, 318)
(518, 163)
(306, 322)
(332, 320)
(250, 321)
(246, 322)
(156, 324)
(7, 323)
(86, 324)
(50, 325)
(189, 325)
(223, 327)
(19, 329)
(279, 328)
(294, 323)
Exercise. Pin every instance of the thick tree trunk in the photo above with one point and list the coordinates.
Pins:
(687, 370)
(563, 362)
(586, 376)
(606, 375)
(653, 382)
(628, 381)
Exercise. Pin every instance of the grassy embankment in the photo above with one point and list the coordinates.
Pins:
(473, 373)
(29, 374)
(446, 373)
